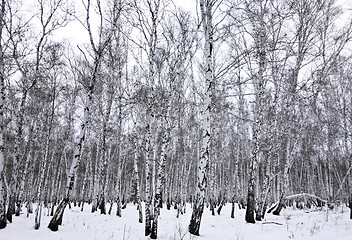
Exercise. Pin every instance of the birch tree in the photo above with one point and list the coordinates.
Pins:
(148, 15)
(52, 16)
(173, 61)
(98, 51)
(206, 17)
(135, 142)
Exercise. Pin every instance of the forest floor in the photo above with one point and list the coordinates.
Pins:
(291, 224)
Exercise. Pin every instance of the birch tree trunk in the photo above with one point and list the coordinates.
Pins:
(136, 176)
(85, 180)
(159, 182)
(57, 218)
(252, 176)
(260, 39)
(206, 13)
(148, 175)
(152, 43)
(2, 127)
(98, 51)
(120, 163)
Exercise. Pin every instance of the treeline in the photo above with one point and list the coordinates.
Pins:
(122, 117)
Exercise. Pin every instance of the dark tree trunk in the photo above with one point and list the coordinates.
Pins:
(168, 204)
(250, 208)
(178, 210)
(272, 208)
(102, 206)
(140, 213)
(11, 208)
(219, 208)
(52, 209)
(194, 225)
(279, 206)
(82, 206)
(18, 208)
(2, 223)
(157, 202)
(57, 218)
(278, 209)
(118, 210)
(110, 208)
(233, 207)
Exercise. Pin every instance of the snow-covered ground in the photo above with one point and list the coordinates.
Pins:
(292, 224)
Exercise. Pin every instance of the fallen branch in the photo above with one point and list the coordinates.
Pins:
(272, 223)
(297, 196)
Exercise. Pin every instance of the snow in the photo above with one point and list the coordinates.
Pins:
(295, 224)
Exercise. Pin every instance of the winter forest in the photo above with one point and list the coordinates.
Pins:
(175, 119)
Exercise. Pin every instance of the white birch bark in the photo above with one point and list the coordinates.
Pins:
(135, 168)
(160, 178)
(154, 9)
(259, 87)
(148, 175)
(206, 13)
